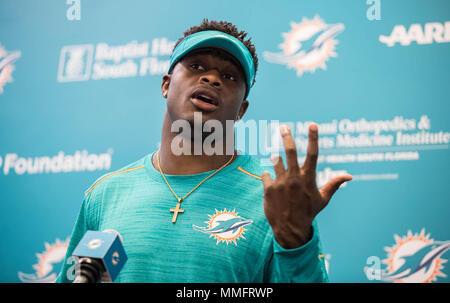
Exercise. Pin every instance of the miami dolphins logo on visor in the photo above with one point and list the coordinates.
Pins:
(225, 226)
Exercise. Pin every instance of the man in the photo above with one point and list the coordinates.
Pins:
(202, 217)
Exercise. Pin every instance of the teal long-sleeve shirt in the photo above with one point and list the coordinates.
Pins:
(222, 236)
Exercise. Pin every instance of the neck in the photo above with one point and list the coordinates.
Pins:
(192, 162)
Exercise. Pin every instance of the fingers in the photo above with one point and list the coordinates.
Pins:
(332, 186)
(290, 150)
(312, 153)
(266, 179)
(278, 165)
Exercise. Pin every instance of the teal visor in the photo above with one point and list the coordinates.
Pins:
(221, 40)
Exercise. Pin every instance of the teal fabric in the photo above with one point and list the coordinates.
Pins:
(135, 201)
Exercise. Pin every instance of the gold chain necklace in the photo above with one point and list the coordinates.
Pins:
(177, 209)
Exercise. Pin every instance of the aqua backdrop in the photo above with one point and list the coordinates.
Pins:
(80, 97)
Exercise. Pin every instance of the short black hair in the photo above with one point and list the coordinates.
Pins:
(226, 27)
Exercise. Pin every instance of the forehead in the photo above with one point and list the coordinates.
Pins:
(217, 53)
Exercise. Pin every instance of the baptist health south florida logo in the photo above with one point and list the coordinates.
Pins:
(45, 271)
(307, 46)
(414, 258)
(75, 63)
(6, 66)
(103, 61)
(225, 226)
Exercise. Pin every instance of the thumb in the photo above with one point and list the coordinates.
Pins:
(328, 190)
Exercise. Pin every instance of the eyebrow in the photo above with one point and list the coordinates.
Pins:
(219, 54)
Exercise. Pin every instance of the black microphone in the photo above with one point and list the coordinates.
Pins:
(100, 256)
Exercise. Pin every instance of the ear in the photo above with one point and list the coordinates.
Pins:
(242, 110)
(165, 85)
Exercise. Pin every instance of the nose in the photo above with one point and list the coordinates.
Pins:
(213, 78)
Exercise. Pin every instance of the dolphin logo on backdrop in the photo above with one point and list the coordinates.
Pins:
(414, 258)
(44, 269)
(6, 66)
(307, 46)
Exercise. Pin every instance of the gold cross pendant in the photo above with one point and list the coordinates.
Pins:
(176, 210)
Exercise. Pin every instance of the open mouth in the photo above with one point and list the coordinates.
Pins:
(204, 99)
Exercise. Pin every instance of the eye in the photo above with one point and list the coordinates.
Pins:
(229, 77)
(197, 66)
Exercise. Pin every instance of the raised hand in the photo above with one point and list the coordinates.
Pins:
(292, 200)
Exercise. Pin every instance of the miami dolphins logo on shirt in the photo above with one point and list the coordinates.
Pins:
(225, 226)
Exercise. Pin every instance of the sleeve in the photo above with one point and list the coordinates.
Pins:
(304, 264)
(85, 221)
